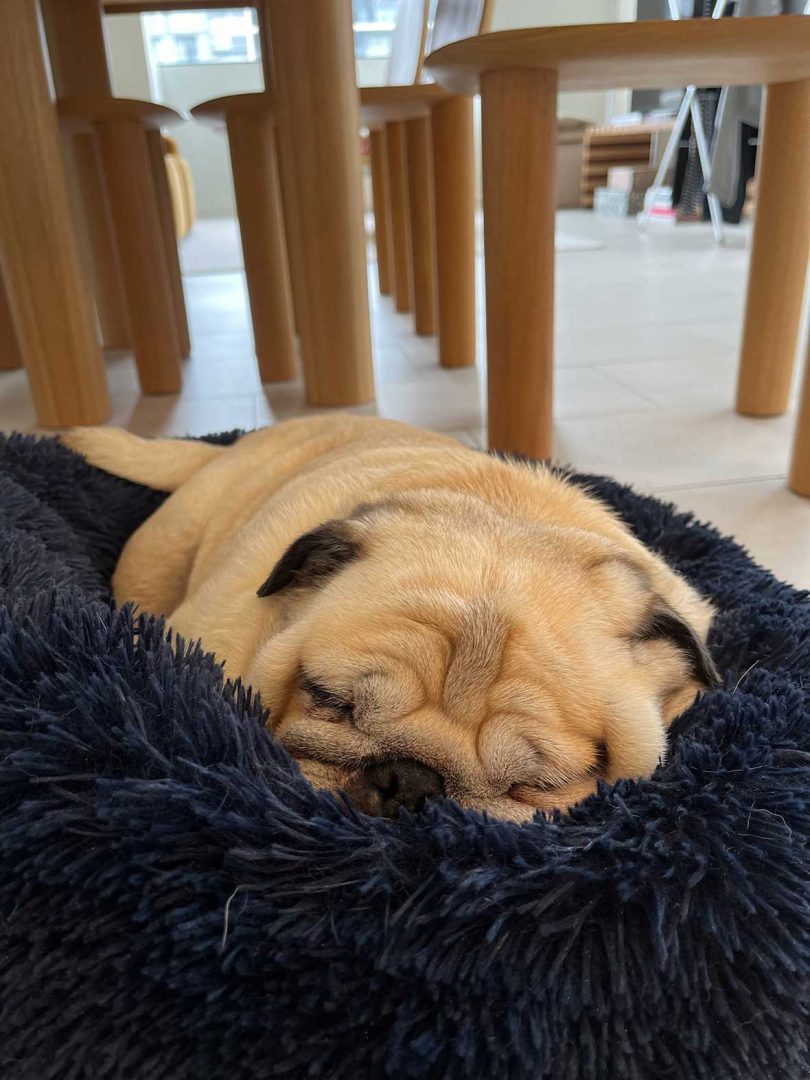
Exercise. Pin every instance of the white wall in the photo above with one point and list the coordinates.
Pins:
(182, 86)
(371, 72)
(516, 14)
(126, 50)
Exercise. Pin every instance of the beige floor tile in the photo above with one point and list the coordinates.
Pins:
(766, 518)
(285, 401)
(168, 416)
(217, 304)
(671, 449)
(580, 392)
(468, 438)
(16, 408)
(437, 399)
(223, 347)
(227, 378)
(589, 340)
(405, 360)
(682, 382)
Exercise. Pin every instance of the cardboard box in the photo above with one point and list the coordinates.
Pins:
(570, 142)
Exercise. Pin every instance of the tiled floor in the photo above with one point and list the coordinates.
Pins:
(647, 337)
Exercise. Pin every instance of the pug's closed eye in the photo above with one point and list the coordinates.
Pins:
(528, 791)
(325, 702)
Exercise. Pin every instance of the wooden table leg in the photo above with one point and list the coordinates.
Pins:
(400, 219)
(454, 188)
(261, 222)
(423, 236)
(382, 209)
(10, 355)
(313, 62)
(133, 201)
(519, 140)
(779, 252)
(154, 141)
(38, 247)
(799, 478)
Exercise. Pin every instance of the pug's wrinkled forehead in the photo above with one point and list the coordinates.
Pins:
(443, 689)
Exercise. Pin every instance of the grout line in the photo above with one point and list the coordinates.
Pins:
(671, 488)
(614, 361)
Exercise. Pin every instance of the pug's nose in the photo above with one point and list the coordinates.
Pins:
(402, 782)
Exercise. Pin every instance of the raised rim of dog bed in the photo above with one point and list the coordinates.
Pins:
(176, 901)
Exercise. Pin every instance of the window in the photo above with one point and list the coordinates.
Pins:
(224, 36)
(374, 22)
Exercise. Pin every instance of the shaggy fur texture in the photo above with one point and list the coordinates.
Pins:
(176, 902)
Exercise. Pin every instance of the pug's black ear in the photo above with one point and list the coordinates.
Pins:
(664, 623)
(313, 557)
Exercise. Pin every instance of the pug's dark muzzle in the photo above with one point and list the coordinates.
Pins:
(382, 789)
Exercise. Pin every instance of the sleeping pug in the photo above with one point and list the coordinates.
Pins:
(422, 619)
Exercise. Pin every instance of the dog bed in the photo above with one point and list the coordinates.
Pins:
(176, 902)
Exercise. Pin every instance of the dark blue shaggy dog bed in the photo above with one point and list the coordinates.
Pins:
(176, 902)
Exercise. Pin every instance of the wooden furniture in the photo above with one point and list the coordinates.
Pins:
(40, 264)
(381, 196)
(779, 249)
(181, 187)
(10, 355)
(518, 74)
(313, 66)
(424, 161)
(396, 160)
(125, 194)
(128, 135)
(412, 254)
(315, 186)
(614, 145)
(78, 61)
(248, 120)
(799, 476)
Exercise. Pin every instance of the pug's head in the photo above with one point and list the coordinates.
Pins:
(431, 646)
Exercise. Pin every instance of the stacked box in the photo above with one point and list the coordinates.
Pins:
(617, 204)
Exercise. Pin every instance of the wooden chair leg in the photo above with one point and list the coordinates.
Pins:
(779, 251)
(423, 237)
(400, 219)
(99, 245)
(164, 204)
(131, 190)
(78, 61)
(799, 478)
(454, 187)
(10, 355)
(292, 231)
(519, 129)
(382, 210)
(38, 247)
(319, 117)
(261, 222)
